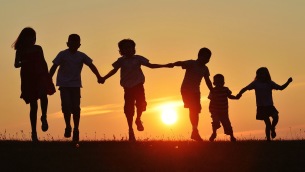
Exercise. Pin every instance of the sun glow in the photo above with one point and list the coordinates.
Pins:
(168, 113)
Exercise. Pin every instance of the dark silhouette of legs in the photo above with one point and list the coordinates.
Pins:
(33, 119)
(194, 118)
(268, 128)
(44, 108)
(275, 119)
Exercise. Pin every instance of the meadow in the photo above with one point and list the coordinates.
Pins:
(251, 155)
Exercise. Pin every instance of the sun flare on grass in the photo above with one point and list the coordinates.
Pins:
(168, 114)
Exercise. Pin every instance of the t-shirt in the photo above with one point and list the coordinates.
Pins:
(70, 67)
(193, 75)
(219, 99)
(131, 72)
(263, 92)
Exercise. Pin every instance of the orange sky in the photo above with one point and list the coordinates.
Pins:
(242, 36)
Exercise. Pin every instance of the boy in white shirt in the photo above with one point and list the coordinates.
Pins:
(70, 63)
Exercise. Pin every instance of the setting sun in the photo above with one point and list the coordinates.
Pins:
(169, 116)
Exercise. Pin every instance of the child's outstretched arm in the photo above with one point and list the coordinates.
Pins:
(286, 84)
(53, 69)
(153, 66)
(241, 92)
(208, 82)
(233, 97)
(95, 71)
(110, 73)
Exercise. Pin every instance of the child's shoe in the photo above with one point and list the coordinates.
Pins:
(44, 124)
(273, 133)
(68, 131)
(233, 139)
(132, 137)
(75, 137)
(139, 124)
(213, 137)
(195, 136)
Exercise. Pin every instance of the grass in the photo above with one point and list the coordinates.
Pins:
(252, 155)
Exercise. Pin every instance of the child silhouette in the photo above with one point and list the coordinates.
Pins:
(263, 86)
(36, 82)
(219, 107)
(70, 63)
(132, 80)
(195, 70)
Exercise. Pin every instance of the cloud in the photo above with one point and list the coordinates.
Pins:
(153, 105)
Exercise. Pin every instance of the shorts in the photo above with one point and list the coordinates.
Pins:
(223, 118)
(134, 96)
(264, 112)
(70, 100)
(191, 100)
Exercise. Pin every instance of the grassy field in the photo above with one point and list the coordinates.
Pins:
(153, 156)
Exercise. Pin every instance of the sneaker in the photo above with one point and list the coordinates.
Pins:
(213, 137)
(195, 136)
(75, 137)
(139, 124)
(233, 139)
(273, 133)
(132, 137)
(44, 124)
(67, 132)
(34, 137)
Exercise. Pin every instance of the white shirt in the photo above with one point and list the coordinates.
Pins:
(70, 67)
(263, 92)
(131, 72)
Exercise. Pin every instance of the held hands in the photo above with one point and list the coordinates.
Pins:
(170, 65)
(101, 80)
(238, 96)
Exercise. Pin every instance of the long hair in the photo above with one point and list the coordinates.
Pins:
(262, 74)
(26, 37)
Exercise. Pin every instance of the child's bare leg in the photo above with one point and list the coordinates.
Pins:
(33, 119)
(194, 118)
(268, 127)
(129, 118)
(44, 105)
(44, 108)
(33, 115)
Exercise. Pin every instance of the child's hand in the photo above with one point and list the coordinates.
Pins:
(238, 96)
(290, 79)
(101, 80)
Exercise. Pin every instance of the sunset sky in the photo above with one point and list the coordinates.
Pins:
(242, 35)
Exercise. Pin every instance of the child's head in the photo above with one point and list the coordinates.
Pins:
(204, 55)
(127, 47)
(26, 38)
(262, 74)
(219, 80)
(73, 42)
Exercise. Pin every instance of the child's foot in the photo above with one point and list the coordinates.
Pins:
(34, 137)
(233, 139)
(195, 136)
(132, 137)
(68, 131)
(75, 137)
(213, 137)
(139, 124)
(44, 124)
(273, 133)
